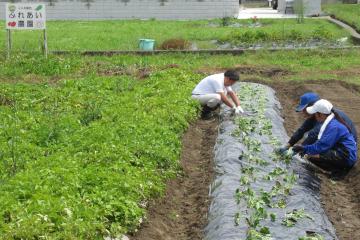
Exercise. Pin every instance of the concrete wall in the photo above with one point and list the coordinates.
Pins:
(311, 7)
(142, 9)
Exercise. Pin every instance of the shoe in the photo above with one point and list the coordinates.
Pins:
(207, 113)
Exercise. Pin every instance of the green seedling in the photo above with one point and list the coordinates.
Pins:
(266, 197)
(293, 217)
(273, 217)
(281, 203)
(262, 234)
(237, 219)
(244, 180)
(312, 236)
(277, 172)
(248, 170)
(290, 178)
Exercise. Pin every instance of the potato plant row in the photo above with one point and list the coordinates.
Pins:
(79, 159)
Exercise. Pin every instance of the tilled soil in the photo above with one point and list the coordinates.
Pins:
(182, 213)
(341, 198)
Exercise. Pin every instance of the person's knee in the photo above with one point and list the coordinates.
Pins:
(214, 102)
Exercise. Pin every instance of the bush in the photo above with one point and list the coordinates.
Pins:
(322, 33)
(176, 44)
(295, 35)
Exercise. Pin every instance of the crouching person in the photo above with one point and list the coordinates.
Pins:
(335, 148)
(213, 90)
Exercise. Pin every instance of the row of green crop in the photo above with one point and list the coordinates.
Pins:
(349, 13)
(263, 36)
(81, 158)
(125, 34)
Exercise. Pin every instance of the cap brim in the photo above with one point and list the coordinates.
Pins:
(310, 110)
(300, 108)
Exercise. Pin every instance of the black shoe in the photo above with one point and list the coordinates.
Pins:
(338, 175)
(207, 113)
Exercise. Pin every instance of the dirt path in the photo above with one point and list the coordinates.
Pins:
(182, 213)
(340, 199)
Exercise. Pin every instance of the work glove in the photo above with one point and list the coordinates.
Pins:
(282, 150)
(238, 110)
(298, 149)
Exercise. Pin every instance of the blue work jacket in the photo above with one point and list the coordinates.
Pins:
(312, 127)
(335, 136)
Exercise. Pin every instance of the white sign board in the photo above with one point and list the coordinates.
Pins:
(21, 16)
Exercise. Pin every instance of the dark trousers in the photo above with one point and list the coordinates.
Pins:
(331, 160)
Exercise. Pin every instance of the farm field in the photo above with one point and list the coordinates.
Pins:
(85, 138)
(349, 13)
(96, 147)
(202, 34)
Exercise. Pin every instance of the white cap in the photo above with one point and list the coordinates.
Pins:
(321, 106)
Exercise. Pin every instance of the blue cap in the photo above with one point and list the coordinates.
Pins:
(307, 99)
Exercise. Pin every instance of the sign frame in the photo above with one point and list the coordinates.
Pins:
(25, 16)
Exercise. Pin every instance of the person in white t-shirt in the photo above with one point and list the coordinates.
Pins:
(213, 90)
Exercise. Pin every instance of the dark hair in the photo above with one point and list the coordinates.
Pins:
(341, 120)
(232, 75)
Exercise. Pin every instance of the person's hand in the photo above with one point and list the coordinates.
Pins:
(298, 149)
(238, 110)
(282, 150)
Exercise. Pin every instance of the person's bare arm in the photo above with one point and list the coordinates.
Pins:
(234, 98)
(225, 100)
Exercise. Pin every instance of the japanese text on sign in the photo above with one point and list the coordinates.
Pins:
(25, 16)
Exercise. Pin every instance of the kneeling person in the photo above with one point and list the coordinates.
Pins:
(335, 147)
(213, 90)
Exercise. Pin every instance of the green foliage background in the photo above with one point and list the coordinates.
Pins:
(125, 34)
(349, 13)
(79, 158)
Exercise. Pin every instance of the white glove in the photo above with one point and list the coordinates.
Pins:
(238, 110)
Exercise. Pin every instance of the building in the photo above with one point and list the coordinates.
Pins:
(138, 9)
(310, 7)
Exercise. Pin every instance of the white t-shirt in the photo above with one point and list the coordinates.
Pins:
(212, 84)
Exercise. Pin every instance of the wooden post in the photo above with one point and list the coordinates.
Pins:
(45, 44)
(8, 31)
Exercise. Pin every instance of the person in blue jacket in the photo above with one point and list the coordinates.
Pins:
(310, 125)
(335, 147)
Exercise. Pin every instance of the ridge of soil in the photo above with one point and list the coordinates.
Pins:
(182, 213)
(340, 199)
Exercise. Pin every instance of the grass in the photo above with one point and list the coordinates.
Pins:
(314, 64)
(124, 35)
(349, 13)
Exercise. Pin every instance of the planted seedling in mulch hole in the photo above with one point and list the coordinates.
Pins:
(293, 217)
(273, 217)
(310, 235)
(262, 234)
(237, 219)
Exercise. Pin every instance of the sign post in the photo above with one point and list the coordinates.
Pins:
(22, 16)
(8, 34)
